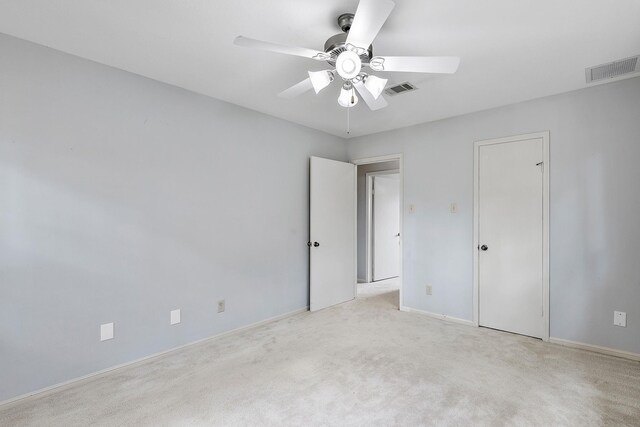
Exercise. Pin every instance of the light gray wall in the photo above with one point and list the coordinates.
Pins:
(122, 198)
(363, 170)
(595, 207)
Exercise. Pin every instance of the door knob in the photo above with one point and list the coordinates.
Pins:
(484, 247)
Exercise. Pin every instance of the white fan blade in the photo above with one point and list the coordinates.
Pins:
(288, 50)
(297, 89)
(369, 18)
(416, 64)
(374, 104)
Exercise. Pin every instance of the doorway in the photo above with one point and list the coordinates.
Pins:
(337, 248)
(379, 225)
(511, 234)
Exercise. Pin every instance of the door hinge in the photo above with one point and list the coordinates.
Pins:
(541, 164)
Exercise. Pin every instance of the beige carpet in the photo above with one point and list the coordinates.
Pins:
(361, 363)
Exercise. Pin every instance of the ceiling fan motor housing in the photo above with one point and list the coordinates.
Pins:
(335, 45)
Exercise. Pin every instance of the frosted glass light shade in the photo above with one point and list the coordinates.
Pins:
(375, 85)
(320, 79)
(347, 98)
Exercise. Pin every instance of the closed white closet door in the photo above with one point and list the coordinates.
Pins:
(511, 237)
(386, 226)
(332, 232)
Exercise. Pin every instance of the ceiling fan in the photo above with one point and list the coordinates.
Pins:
(350, 55)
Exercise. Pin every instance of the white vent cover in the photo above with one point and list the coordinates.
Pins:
(613, 69)
(400, 88)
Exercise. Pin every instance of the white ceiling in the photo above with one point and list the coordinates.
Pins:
(511, 50)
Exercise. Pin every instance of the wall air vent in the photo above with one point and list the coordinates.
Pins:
(613, 69)
(400, 88)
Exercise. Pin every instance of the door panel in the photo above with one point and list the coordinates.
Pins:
(511, 227)
(386, 226)
(333, 228)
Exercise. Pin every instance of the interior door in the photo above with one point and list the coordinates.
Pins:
(386, 226)
(511, 237)
(332, 233)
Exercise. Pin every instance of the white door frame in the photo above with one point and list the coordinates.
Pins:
(380, 159)
(368, 250)
(545, 221)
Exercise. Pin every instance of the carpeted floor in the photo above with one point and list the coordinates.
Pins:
(362, 363)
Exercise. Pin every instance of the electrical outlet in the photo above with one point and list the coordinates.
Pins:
(454, 207)
(429, 290)
(174, 317)
(106, 332)
(620, 318)
(221, 306)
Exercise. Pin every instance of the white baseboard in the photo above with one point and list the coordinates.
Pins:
(559, 341)
(596, 348)
(438, 316)
(93, 375)
(385, 281)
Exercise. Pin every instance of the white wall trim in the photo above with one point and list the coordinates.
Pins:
(380, 159)
(596, 349)
(438, 316)
(103, 372)
(545, 222)
(552, 340)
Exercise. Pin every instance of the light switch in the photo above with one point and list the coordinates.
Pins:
(412, 209)
(454, 207)
(106, 331)
(175, 316)
(620, 318)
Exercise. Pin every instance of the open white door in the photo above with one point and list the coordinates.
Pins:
(332, 232)
(386, 226)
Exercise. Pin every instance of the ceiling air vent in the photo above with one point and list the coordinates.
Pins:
(613, 69)
(400, 88)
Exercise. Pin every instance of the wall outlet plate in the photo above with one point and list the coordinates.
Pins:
(106, 332)
(620, 318)
(221, 306)
(429, 290)
(175, 317)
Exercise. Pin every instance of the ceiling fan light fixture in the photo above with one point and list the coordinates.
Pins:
(347, 97)
(320, 79)
(348, 64)
(375, 85)
(346, 52)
